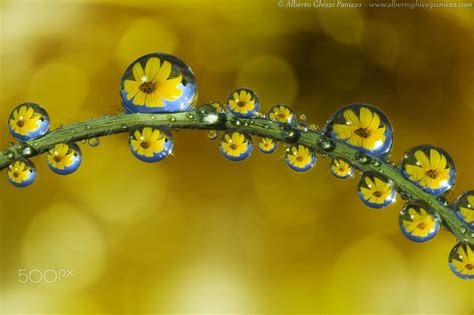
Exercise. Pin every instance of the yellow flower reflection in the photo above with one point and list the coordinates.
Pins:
(60, 156)
(364, 131)
(266, 144)
(432, 172)
(242, 103)
(235, 145)
(152, 85)
(148, 142)
(421, 224)
(468, 213)
(24, 121)
(465, 266)
(281, 114)
(377, 190)
(341, 168)
(18, 172)
(300, 156)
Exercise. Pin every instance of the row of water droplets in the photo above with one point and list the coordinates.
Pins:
(161, 83)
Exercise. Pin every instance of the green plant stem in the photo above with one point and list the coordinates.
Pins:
(313, 139)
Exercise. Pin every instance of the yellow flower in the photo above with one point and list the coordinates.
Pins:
(212, 134)
(234, 145)
(24, 121)
(300, 156)
(60, 156)
(281, 114)
(421, 224)
(18, 172)
(464, 266)
(266, 144)
(432, 173)
(242, 103)
(341, 168)
(148, 142)
(219, 108)
(150, 87)
(377, 190)
(468, 213)
(365, 132)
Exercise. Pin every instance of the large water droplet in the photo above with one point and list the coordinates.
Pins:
(150, 144)
(461, 260)
(362, 126)
(64, 158)
(235, 145)
(464, 207)
(243, 103)
(207, 113)
(419, 223)
(376, 191)
(28, 121)
(21, 173)
(300, 158)
(430, 168)
(342, 169)
(282, 114)
(158, 83)
(267, 145)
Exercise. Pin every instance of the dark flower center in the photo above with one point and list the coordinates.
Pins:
(57, 159)
(432, 174)
(145, 144)
(241, 103)
(16, 174)
(20, 123)
(470, 266)
(299, 158)
(362, 132)
(233, 146)
(421, 225)
(378, 194)
(147, 87)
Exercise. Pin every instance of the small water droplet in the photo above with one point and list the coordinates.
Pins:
(171, 118)
(326, 144)
(362, 158)
(9, 155)
(303, 117)
(93, 142)
(88, 127)
(190, 115)
(237, 122)
(266, 126)
(153, 117)
(376, 163)
(462, 229)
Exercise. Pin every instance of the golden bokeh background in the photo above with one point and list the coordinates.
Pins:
(196, 233)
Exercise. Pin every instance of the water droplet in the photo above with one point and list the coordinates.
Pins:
(419, 223)
(243, 103)
(462, 229)
(376, 163)
(430, 168)
(246, 124)
(212, 134)
(363, 158)
(190, 115)
(237, 122)
(21, 173)
(282, 114)
(300, 158)
(376, 191)
(326, 144)
(10, 155)
(142, 93)
(207, 113)
(341, 168)
(266, 126)
(27, 151)
(64, 158)
(88, 127)
(404, 195)
(464, 208)
(93, 142)
(362, 126)
(236, 145)
(28, 121)
(267, 145)
(153, 117)
(461, 260)
(303, 117)
(150, 144)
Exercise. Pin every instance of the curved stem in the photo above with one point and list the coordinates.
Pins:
(313, 139)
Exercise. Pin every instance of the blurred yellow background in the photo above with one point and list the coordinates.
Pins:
(196, 233)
